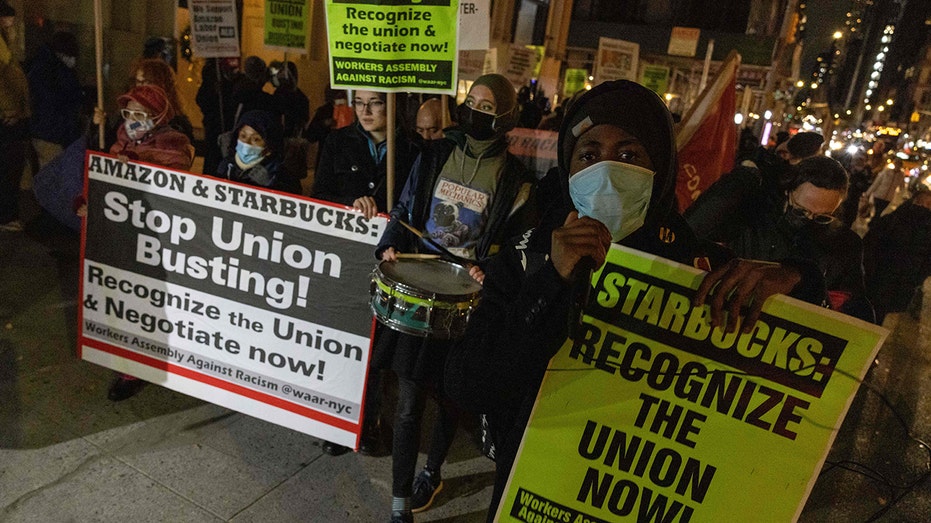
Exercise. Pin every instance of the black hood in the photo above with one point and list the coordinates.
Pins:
(640, 112)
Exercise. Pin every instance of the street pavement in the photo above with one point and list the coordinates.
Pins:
(67, 454)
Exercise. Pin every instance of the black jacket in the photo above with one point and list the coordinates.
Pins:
(747, 213)
(347, 171)
(897, 257)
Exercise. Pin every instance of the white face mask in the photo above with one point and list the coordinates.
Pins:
(69, 61)
(136, 129)
(616, 194)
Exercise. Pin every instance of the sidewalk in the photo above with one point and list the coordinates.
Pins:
(69, 454)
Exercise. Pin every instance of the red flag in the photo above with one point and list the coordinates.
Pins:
(706, 139)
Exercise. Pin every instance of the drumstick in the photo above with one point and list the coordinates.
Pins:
(417, 256)
(444, 250)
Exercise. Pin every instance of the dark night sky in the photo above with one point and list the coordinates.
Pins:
(824, 17)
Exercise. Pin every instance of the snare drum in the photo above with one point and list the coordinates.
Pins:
(429, 298)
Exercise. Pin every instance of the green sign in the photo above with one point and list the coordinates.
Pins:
(656, 77)
(574, 81)
(393, 45)
(652, 415)
(287, 25)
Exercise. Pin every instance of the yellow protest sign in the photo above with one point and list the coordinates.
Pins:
(286, 25)
(654, 416)
(393, 45)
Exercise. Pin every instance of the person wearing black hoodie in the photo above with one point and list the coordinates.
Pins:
(469, 195)
(617, 172)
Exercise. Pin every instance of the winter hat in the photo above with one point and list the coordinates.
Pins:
(267, 124)
(255, 70)
(635, 109)
(152, 98)
(65, 43)
(806, 144)
(6, 10)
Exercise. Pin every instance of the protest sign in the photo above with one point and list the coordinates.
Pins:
(616, 60)
(655, 77)
(521, 63)
(471, 64)
(254, 300)
(574, 81)
(654, 416)
(286, 25)
(683, 41)
(474, 24)
(535, 148)
(393, 45)
(213, 29)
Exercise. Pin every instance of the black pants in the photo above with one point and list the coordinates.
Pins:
(11, 173)
(409, 413)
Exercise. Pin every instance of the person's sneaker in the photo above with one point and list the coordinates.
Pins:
(370, 440)
(12, 226)
(402, 516)
(334, 449)
(426, 486)
(124, 387)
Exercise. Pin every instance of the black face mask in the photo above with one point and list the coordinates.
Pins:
(476, 124)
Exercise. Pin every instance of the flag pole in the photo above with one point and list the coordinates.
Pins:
(98, 48)
(389, 174)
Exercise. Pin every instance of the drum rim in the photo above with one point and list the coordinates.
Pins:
(450, 299)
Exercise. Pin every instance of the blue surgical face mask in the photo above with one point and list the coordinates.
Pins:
(136, 129)
(616, 194)
(248, 153)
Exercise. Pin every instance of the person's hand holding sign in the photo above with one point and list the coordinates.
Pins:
(743, 283)
(367, 205)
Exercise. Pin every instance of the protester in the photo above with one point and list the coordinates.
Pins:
(56, 97)
(146, 136)
(889, 182)
(255, 158)
(335, 113)
(861, 177)
(470, 164)
(157, 47)
(353, 161)
(296, 108)
(248, 94)
(897, 254)
(429, 122)
(738, 212)
(289, 97)
(621, 132)
(802, 145)
(353, 171)
(14, 122)
(215, 99)
(157, 72)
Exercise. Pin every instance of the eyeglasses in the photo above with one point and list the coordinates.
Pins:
(129, 114)
(371, 105)
(802, 212)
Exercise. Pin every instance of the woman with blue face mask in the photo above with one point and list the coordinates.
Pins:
(255, 157)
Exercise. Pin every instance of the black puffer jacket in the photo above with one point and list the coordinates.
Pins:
(347, 170)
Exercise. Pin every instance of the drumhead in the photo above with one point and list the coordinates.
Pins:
(435, 276)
